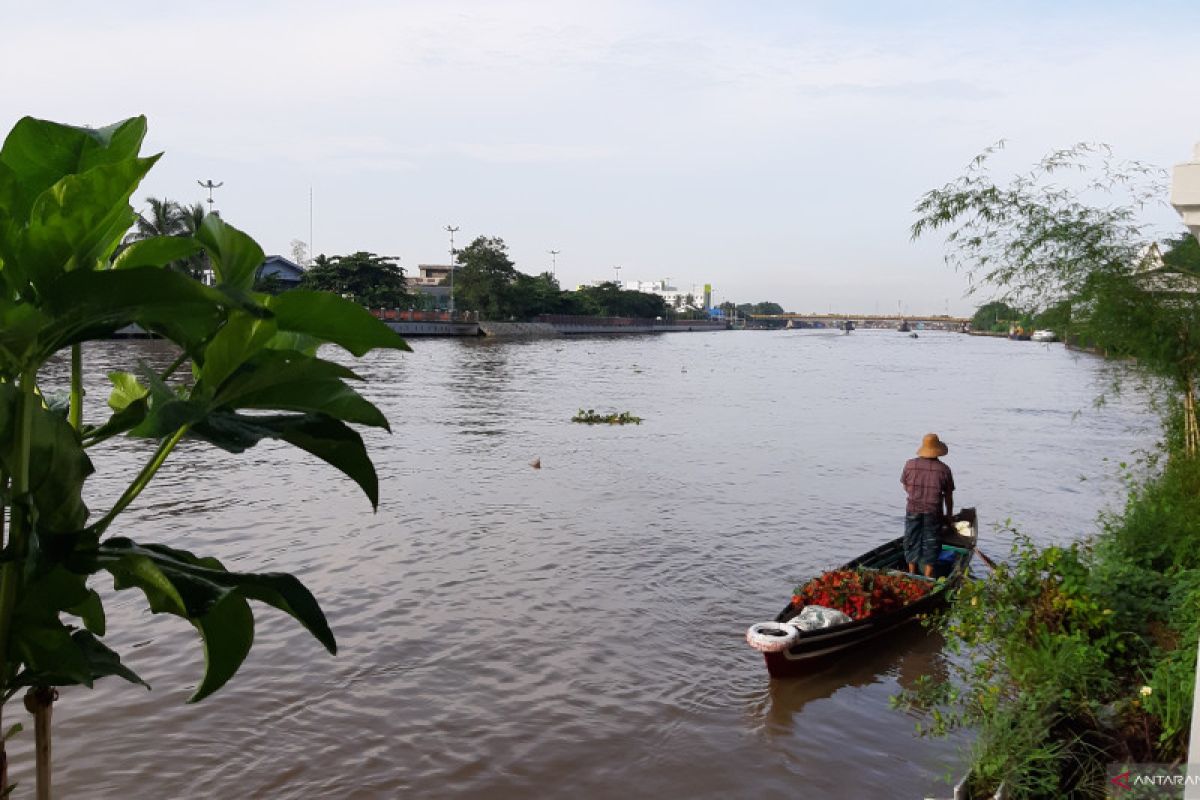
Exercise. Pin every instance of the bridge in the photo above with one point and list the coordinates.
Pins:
(930, 322)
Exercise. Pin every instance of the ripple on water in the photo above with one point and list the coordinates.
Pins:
(577, 630)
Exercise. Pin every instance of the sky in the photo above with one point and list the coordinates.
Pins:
(772, 149)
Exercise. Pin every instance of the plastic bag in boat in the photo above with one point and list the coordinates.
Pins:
(814, 618)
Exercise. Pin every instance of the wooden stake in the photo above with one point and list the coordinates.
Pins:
(39, 701)
(3, 759)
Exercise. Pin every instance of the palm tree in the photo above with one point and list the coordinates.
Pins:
(164, 218)
(191, 217)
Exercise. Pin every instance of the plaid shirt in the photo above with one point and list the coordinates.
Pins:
(926, 480)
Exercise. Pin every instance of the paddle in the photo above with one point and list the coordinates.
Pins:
(991, 564)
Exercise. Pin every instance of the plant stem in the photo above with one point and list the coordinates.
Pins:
(174, 365)
(75, 414)
(143, 478)
(10, 574)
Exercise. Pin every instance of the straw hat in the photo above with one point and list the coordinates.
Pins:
(932, 447)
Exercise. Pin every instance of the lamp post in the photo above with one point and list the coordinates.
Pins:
(210, 186)
(553, 260)
(617, 271)
(452, 229)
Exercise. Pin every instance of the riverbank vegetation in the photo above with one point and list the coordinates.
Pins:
(366, 278)
(1076, 657)
(247, 370)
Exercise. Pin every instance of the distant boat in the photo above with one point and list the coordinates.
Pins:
(1044, 336)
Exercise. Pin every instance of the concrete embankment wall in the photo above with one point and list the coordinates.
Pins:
(517, 330)
(405, 328)
(605, 326)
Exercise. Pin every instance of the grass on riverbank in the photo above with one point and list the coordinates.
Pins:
(1080, 656)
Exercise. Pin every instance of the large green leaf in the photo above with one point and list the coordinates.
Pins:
(90, 611)
(235, 256)
(130, 402)
(157, 251)
(90, 305)
(291, 381)
(327, 438)
(126, 390)
(44, 645)
(202, 591)
(333, 319)
(227, 634)
(88, 661)
(21, 328)
(39, 153)
(240, 338)
(276, 367)
(78, 222)
(332, 398)
(58, 465)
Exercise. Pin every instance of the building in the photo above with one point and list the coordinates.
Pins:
(671, 295)
(430, 275)
(286, 273)
(428, 282)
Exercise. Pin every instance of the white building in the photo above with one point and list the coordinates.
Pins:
(672, 295)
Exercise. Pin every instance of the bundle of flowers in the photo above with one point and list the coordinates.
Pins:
(859, 593)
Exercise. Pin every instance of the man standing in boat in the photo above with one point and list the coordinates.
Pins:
(930, 486)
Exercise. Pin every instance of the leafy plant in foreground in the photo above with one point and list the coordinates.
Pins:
(252, 373)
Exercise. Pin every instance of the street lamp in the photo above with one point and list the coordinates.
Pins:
(617, 270)
(210, 186)
(553, 260)
(452, 229)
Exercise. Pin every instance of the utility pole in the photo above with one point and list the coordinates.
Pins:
(617, 270)
(210, 186)
(553, 260)
(311, 252)
(452, 229)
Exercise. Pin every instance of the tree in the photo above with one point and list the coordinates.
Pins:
(483, 281)
(530, 295)
(247, 370)
(299, 252)
(367, 279)
(1047, 242)
(1182, 253)
(608, 299)
(163, 218)
(995, 316)
(762, 308)
(169, 218)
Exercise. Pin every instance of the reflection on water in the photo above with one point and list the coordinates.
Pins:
(577, 630)
(897, 660)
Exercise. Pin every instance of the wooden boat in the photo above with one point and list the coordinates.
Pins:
(816, 649)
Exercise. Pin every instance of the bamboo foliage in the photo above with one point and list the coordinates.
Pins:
(1070, 234)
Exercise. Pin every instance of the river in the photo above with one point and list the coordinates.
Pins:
(577, 630)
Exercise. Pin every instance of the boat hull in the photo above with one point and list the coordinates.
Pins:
(817, 649)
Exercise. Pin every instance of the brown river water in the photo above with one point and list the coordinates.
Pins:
(577, 631)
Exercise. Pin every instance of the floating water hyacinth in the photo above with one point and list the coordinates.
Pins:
(590, 417)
